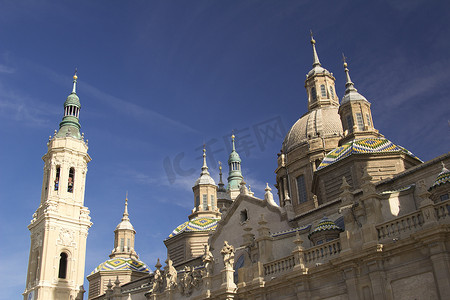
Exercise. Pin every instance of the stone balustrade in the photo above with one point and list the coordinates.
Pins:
(322, 253)
(400, 227)
(279, 266)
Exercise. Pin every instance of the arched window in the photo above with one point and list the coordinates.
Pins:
(71, 180)
(313, 94)
(58, 173)
(323, 90)
(62, 266)
(239, 264)
(332, 92)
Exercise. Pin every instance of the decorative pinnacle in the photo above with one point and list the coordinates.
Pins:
(75, 77)
(315, 56)
(349, 86)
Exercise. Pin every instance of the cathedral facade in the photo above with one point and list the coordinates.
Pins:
(357, 217)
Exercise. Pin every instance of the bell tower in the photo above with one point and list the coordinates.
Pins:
(59, 226)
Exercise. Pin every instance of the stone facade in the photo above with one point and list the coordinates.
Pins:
(358, 218)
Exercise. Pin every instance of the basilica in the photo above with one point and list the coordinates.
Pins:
(352, 216)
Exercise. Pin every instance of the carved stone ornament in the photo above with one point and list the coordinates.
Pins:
(65, 237)
(191, 278)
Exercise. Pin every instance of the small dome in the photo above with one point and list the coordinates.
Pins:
(72, 100)
(321, 122)
(197, 224)
(325, 224)
(122, 263)
(234, 157)
(317, 70)
(442, 178)
(205, 179)
(362, 146)
(125, 225)
(352, 95)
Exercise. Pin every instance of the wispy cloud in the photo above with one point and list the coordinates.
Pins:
(135, 111)
(6, 69)
(19, 107)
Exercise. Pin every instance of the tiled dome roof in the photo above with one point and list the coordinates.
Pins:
(122, 263)
(322, 122)
(197, 224)
(325, 225)
(442, 178)
(362, 146)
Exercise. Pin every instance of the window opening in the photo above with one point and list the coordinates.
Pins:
(58, 173)
(368, 120)
(213, 204)
(128, 244)
(359, 121)
(323, 90)
(244, 216)
(239, 264)
(350, 124)
(62, 266)
(71, 180)
(301, 187)
(332, 92)
(444, 197)
(205, 202)
(313, 94)
(122, 246)
(197, 201)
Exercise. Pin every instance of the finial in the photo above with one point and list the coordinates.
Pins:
(315, 56)
(220, 171)
(75, 77)
(232, 141)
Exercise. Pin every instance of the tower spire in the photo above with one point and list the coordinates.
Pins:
(315, 56)
(204, 167)
(349, 85)
(125, 212)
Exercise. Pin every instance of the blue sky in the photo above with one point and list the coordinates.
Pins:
(157, 79)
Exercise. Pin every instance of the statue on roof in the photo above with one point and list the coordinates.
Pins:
(228, 255)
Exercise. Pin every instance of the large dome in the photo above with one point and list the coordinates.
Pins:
(122, 263)
(321, 122)
(197, 224)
